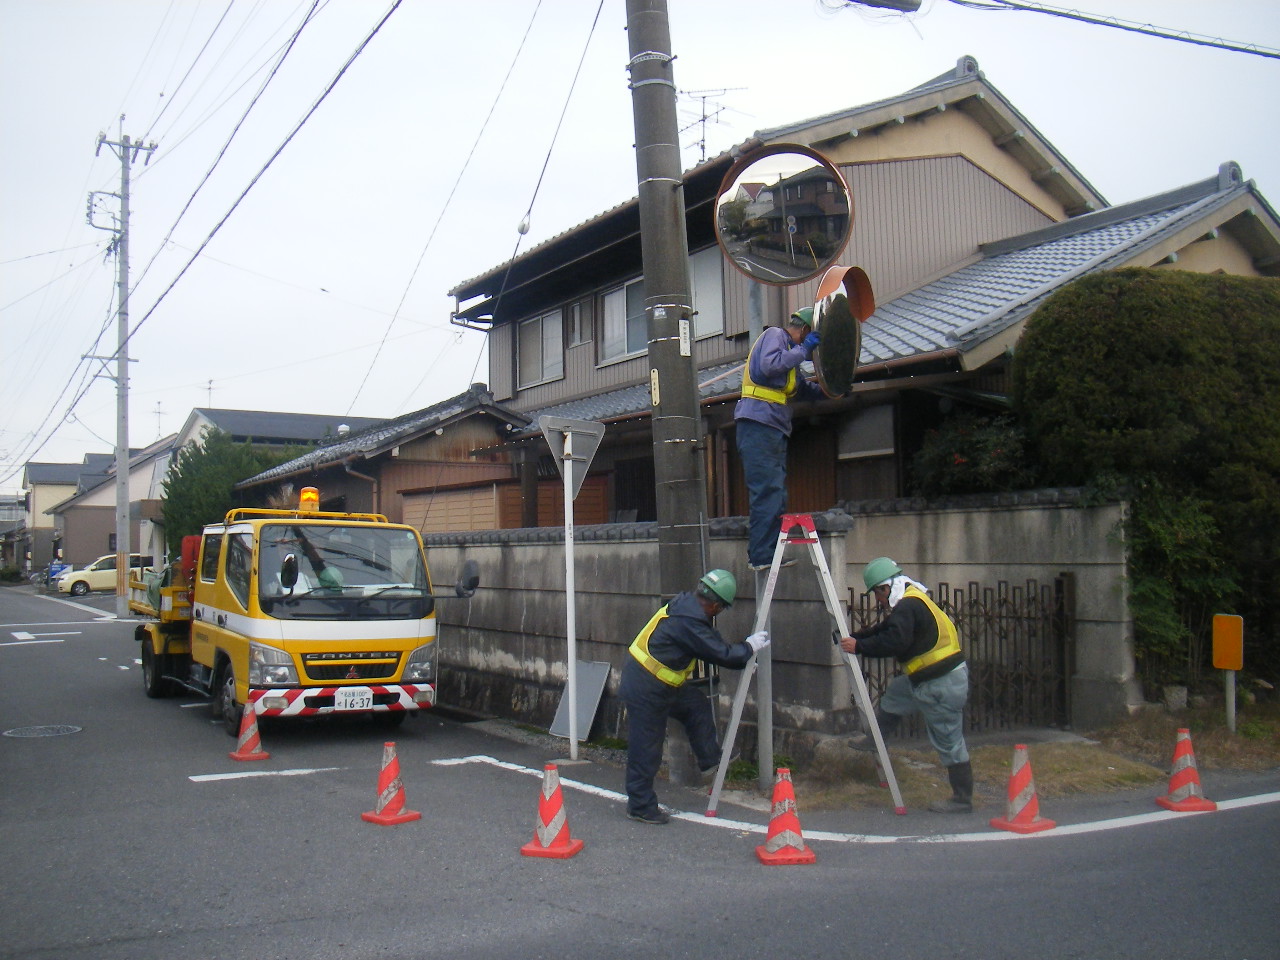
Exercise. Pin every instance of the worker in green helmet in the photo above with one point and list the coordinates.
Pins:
(762, 426)
(935, 677)
(654, 685)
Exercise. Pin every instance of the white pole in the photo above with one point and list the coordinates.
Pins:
(571, 625)
(1231, 700)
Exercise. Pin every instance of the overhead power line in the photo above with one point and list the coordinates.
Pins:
(1133, 26)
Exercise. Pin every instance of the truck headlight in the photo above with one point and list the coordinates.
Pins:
(421, 665)
(270, 667)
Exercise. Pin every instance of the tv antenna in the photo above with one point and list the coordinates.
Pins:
(706, 117)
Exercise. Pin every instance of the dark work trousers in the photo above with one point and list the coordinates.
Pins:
(764, 465)
(649, 703)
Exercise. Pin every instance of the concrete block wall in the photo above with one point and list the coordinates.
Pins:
(503, 652)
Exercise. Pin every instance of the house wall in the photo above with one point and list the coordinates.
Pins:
(87, 532)
(914, 219)
(503, 652)
(40, 525)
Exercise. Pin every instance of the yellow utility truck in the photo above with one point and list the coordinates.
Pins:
(295, 613)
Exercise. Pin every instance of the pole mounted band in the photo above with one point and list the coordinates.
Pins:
(650, 55)
(645, 83)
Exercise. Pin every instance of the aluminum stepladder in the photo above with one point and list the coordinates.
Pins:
(808, 537)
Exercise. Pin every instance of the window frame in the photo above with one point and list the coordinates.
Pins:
(546, 375)
(627, 319)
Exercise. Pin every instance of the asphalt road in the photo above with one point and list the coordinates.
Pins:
(134, 835)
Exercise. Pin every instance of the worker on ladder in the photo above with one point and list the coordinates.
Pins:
(935, 681)
(762, 426)
(654, 685)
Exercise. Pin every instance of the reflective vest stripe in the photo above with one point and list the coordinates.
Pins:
(948, 643)
(769, 394)
(640, 650)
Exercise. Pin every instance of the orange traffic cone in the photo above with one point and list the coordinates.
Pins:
(249, 746)
(551, 836)
(390, 809)
(1024, 805)
(784, 843)
(1185, 795)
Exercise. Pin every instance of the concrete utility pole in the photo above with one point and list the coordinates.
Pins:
(127, 152)
(681, 491)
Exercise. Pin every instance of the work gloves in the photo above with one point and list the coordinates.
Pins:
(810, 342)
(758, 641)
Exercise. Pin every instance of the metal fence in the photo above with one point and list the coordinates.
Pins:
(1017, 641)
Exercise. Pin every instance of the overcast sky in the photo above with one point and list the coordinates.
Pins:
(324, 291)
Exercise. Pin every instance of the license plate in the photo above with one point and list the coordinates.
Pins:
(353, 698)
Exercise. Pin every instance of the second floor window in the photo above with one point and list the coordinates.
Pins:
(540, 349)
(625, 325)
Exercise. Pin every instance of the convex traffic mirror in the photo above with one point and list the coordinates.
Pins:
(783, 214)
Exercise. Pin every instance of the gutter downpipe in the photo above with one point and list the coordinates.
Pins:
(373, 482)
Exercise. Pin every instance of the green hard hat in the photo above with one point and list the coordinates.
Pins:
(879, 570)
(722, 585)
(805, 316)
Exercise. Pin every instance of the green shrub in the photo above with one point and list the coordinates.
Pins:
(971, 453)
(1169, 382)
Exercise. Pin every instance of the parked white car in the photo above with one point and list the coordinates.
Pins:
(99, 575)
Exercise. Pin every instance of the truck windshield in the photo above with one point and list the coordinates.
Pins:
(344, 572)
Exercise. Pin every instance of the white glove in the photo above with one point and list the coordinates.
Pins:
(758, 641)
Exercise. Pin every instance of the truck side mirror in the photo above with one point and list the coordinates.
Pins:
(469, 580)
(289, 572)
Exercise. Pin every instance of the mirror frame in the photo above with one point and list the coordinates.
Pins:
(737, 172)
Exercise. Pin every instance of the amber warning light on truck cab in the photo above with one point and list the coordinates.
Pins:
(309, 500)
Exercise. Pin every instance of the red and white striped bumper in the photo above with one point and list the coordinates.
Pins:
(319, 701)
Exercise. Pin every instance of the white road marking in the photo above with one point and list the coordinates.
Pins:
(209, 777)
(21, 637)
(1072, 829)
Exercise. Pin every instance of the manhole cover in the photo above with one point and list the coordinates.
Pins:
(52, 730)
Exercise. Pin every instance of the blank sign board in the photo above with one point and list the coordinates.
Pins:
(592, 676)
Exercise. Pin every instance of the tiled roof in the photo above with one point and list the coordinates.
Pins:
(299, 427)
(979, 300)
(385, 434)
(967, 307)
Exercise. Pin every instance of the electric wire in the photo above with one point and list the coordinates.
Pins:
(169, 99)
(466, 163)
(1133, 26)
(208, 239)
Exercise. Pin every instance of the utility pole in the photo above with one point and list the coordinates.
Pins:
(127, 152)
(681, 491)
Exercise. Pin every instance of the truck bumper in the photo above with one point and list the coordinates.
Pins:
(320, 701)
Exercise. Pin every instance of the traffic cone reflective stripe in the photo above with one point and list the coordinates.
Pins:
(784, 843)
(1185, 795)
(551, 835)
(390, 807)
(1024, 805)
(249, 745)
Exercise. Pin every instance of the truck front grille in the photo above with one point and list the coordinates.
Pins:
(351, 666)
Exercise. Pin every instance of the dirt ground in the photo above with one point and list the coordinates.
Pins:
(1134, 753)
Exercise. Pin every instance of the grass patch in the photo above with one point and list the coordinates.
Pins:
(1151, 735)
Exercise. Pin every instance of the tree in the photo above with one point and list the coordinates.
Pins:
(1167, 383)
(199, 487)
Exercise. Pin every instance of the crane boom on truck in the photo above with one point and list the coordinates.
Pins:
(295, 613)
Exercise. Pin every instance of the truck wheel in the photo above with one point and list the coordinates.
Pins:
(153, 681)
(226, 702)
(79, 588)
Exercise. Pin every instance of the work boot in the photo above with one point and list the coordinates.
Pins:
(655, 818)
(961, 799)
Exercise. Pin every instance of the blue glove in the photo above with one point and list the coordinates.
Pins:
(810, 342)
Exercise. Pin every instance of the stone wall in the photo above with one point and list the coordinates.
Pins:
(503, 652)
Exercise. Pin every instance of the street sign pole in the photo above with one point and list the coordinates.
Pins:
(571, 620)
(573, 444)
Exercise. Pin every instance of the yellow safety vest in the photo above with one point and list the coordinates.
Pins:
(769, 394)
(948, 643)
(640, 650)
